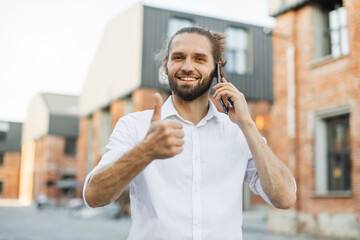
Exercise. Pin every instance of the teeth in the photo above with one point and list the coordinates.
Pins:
(188, 79)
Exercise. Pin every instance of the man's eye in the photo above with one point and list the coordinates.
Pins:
(200, 59)
(176, 57)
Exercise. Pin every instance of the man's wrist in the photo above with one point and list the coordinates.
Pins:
(144, 150)
(248, 125)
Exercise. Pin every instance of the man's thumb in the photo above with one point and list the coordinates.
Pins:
(157, 107)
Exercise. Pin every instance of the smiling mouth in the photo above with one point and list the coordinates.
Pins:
(188, 78)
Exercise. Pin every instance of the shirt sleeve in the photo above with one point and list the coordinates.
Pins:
(253, 179)
(122, 139)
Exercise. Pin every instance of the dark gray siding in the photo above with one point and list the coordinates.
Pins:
(12, 142)
(256, 85)
(66, 126)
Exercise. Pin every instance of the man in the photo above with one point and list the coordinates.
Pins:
(185, 161)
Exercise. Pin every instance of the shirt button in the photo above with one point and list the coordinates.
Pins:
(196, 222)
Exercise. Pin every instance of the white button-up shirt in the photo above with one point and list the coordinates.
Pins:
(196, 194)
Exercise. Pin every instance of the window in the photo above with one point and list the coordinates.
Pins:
(4, 129)
(333, 163)
(176, 24)
(338, 141)
(1, 159)
(70, 146)
(237, 54)
(330, 34)
(1, 187)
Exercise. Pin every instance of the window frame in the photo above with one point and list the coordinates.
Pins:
(342, 155)
(246, 52)
(171, 32)
(323, 42)
(321, 151)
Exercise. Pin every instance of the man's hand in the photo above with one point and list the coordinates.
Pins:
(164, 138)
(238, 113)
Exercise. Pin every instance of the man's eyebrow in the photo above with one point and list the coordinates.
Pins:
(177, 53)
(200, 55)
(195, 54)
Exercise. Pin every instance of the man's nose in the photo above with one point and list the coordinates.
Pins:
(187, 66)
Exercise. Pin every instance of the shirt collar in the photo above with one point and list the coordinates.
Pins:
(168, 110)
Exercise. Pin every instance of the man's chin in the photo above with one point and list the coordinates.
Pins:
(188, 96)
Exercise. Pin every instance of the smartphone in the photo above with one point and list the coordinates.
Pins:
(219, 76)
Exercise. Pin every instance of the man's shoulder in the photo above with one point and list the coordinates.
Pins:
(135, 121)
(229, 127)
(139, 116)
(224, 119)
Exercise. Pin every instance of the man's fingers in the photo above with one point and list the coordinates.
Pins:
(223, 80)
(176, 150)
(222, 92)
(157, 107)
(175, 141)
(223, 84)
(179, 133)
(174, 124)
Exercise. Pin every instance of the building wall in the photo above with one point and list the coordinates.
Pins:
(116, 68)
(9, 175)
(37, 122)
(82, 151)
(304, 88)
(51, 165)
(27, 172)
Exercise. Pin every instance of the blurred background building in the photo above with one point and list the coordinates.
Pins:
(315, 117)
(48, 156)
(10, 148)
(125, 74)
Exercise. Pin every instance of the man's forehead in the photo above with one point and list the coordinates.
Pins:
(191, 42)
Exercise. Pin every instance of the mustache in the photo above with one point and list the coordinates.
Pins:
(187, 74)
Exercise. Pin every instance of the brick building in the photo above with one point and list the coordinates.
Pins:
(316, 111)
(10, 146)
(124, 75)
(48, 155)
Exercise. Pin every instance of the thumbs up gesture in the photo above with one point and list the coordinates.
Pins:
(164, 138)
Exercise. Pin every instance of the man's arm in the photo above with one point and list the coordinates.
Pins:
(163, 140)
(108, 183)
(276, 179)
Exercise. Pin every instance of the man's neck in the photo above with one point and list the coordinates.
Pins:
(194, 110)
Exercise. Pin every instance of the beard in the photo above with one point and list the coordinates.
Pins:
(189, 93)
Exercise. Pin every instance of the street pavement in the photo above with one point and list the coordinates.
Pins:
(57, 223)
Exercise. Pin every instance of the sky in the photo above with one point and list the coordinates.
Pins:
(49, 45)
